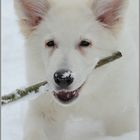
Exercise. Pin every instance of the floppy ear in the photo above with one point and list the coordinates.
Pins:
(31, 12)
(109, 12)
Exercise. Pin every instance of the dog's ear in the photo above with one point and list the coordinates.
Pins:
(109, 12)
(31, 12)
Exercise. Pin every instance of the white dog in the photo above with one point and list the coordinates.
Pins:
(65, 40)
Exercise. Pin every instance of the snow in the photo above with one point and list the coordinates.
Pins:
(13, 75)
(13, 65)
(13, 72)
(66, 74)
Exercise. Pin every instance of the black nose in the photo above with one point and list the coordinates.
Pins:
(63, 78)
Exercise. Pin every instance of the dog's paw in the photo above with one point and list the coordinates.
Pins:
(35, 136)
(129, 136)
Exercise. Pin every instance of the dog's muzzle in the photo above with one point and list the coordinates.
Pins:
(63, 80)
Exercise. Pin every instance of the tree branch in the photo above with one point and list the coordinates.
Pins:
(109, 59)
(20, 93)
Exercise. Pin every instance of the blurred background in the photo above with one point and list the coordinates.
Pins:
(13, 67)
(12, 71)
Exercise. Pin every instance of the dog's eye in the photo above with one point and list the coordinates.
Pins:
(84, 43)
(50, 44)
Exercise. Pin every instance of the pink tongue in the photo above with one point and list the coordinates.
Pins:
(65, 96)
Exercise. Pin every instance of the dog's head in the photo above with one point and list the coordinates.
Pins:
(72, 36)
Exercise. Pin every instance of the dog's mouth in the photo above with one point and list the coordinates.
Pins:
(67, 97)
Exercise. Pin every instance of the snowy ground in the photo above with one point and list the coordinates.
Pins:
(13, 72)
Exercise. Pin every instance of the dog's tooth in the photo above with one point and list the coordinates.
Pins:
(68, 95)
(76, 94)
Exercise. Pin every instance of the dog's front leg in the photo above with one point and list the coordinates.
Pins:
(34, 129)
(44, 124)
(38, 131)
(35, 134)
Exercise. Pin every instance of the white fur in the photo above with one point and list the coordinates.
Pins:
(110, 93)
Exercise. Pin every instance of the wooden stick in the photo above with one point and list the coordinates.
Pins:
(20, 93)
(109, 59)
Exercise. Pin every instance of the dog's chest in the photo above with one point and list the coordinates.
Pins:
(84, 128)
